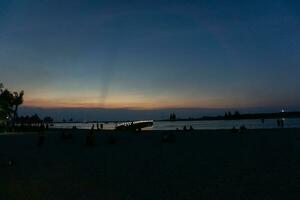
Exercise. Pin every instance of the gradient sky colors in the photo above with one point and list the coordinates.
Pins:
(151, 54)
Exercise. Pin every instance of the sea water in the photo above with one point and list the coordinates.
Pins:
(213, 124)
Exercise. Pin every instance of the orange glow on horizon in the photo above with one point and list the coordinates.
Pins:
(130, 103)
(110, 105)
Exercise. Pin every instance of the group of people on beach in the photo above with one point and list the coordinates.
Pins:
(186, 129)
(90, 137)
(241, 130)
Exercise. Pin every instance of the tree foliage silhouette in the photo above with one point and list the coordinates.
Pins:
(9, 104)
(17, 101)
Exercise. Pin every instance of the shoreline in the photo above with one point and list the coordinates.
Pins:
(142, 132)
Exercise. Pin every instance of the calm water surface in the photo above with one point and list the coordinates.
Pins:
(218, 124)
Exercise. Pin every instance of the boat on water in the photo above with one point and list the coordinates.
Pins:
(135, 125)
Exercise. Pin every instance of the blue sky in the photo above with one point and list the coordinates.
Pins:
(151, 54)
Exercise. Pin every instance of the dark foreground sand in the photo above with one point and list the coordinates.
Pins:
(261, 164)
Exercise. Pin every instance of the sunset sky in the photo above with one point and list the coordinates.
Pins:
(151, 54)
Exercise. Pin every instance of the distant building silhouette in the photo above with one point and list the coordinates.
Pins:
(172, 116)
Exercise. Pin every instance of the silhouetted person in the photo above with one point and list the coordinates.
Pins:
(243, 129)
(90, 137)
(282, 123)
(101, 126)
(184, 128)
(191, 128)
(41, 135)
(97, 126)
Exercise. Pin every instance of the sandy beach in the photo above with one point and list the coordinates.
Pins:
(259, 164)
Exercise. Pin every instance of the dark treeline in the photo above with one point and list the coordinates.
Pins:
(33, 120)
(237, 116)
(263, 116)
(31, 123)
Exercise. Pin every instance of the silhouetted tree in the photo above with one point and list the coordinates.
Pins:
(236, 113)
(48, 120)
(35, 119)
(9, 103)
(6, 104)
(1, 87)
(17, 101)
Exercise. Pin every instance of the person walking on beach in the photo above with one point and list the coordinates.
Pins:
(278, 123)
(191, 128)
(41, 135)
(282, 123)
(90, 137)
